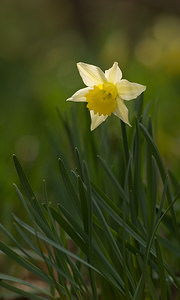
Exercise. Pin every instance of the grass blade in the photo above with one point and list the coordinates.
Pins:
(161, 272)
(163, 173)
(20, 291)
(23, 282)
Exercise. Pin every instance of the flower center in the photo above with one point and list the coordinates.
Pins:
(102, 99)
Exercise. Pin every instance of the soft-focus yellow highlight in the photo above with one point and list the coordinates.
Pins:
(160, 46)
(102, 99)
(149, 52)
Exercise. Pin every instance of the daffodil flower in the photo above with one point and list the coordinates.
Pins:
(105, 93)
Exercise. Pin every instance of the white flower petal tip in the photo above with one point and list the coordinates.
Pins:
(129, 90)
(121, 111)
(113, 74)
(79, 96)
(127, 122)
(96, 120)
(91, 75)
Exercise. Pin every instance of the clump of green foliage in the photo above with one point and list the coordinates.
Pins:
(112, 232)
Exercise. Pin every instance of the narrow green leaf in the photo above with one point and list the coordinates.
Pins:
(152, 288)
(146, 113)
(70, 230)
(174, 249)
(108, 234)
(25, 203)
(88, 222)
(114, 180)
(137, 171)
(140, 285)
(18, 291)
(70, 188)
(89, 203)
(42, 257)
(59, 258)
(18, 245)
(116, 251)
(153, 183)
(163, 173)
(125, 142)
(84, 205)
(67, 128)
(53, 243)
(162, 276)
(101, 261)
(175, 182)
(78, 161)
(23, 282)
(162, 199)
(37, 213)
(117, 216)
(23, 179)
(25, 263)
(139, 106)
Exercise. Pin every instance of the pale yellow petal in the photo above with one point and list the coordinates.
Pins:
(121, 111)
(129, 90)
(114, 74)
(91, 75)
(79, 96)
(96, 120)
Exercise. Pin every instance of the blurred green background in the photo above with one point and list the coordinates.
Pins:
(41, 42)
